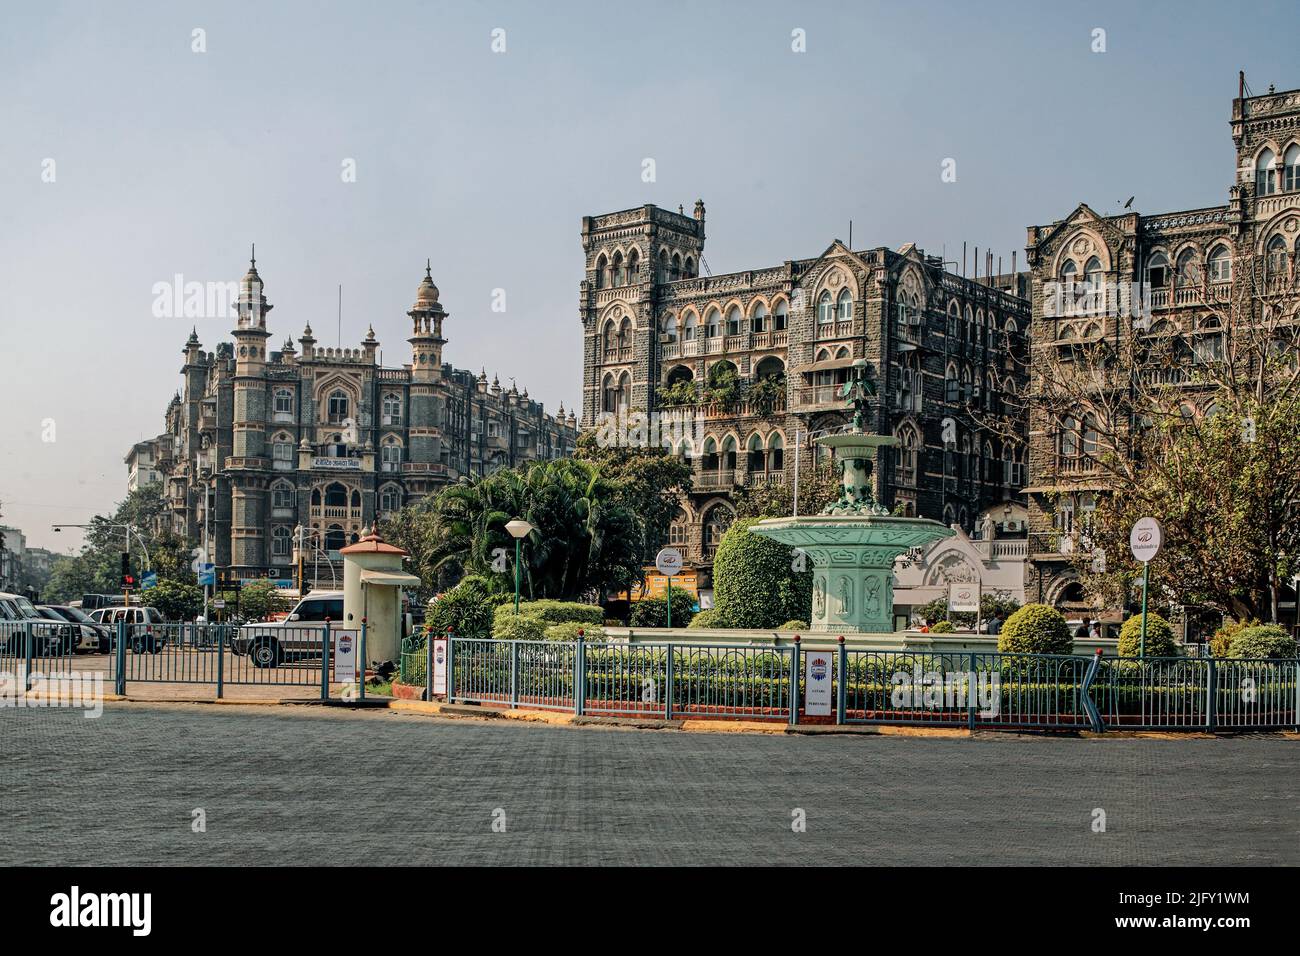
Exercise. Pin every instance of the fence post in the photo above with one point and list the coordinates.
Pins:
(1211, 693)
(27, 655)
(668, 684)
(221, 661)
(428, 666)
(794, 681)
(970, 692)
(579, 673)
(325, 662)
(841, 683)
(514, 674)
(451, 667)
(119, 660)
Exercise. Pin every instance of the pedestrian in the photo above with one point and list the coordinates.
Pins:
(995, 625)
(1094, 631)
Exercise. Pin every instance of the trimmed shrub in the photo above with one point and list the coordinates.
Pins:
(653, 612)
(795, 625)
(465, 609)
(754, 584)
(1035, 629)
(520, 629)
(568, 631)
(942, 627)
(1263, 640)
(551, 612)
(1160, 637)
(1221, 642)
(707, 618)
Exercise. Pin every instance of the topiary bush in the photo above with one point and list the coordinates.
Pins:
(466, 609)
(1263, 640)
(520, 629)
(653, 612)
(942, 627)
(754, 581)
(795, 625)
(568, 631)
(1035, 629)
(1221, 642)
(707, 618)
(1160, 637)
(551, 612)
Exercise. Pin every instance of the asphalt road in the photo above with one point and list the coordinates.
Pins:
(301, 785)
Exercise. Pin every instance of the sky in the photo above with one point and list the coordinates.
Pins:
(169, 160)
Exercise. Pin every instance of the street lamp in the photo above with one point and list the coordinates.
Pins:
(519, 529)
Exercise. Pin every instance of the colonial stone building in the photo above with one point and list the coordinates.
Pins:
(325, 439)
(736, 370)
(1189, 268)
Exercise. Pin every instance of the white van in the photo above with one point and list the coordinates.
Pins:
(298, 635)
(144, 627)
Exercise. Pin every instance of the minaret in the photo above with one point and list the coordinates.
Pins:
(248, 454)
(424, 437)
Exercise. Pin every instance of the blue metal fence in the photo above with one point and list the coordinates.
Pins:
(975, 690)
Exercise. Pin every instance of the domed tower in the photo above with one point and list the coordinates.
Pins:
(424, 437)
(248, 457)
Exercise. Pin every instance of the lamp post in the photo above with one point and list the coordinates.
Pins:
(519, 529)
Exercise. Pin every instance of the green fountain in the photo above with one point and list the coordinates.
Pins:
(853, 543)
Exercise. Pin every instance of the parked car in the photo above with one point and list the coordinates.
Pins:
(144, 627)
(299, 635)
(16, 612)
(94, 637)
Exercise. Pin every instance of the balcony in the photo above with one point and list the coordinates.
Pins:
(723, 479)
(769, 340)
(336, 512)
(816, 396)
(619, 355)
(758, 479)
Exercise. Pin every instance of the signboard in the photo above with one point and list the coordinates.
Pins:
(219, 604)
(1146, 538)
(817, 671)
(440, 665)
(207, 574)
(669, 561)
(963, 596)
(345, 657)
(149, 580)
(337, 464)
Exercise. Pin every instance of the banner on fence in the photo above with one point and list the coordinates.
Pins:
(817, 665)
(440, 666)
(345, 658)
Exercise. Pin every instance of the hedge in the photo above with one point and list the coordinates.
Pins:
(1160, 637)
(1264, 640)
(710, 617)
(465, 609)
(653, 612)
(551, 612)
(1035, 629)
(568, 631)
(521, 628)
(754, 581)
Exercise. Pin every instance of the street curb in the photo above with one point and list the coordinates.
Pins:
(639, 723)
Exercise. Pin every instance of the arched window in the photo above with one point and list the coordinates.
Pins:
(754, 458)
(1189, 272)
(338, 406)
(1220, 264)
(733, 320)
(1069, 271)
(986, 463)
(758, 321)
(609, 389)
(688, 330)
(282, 496)
(710, 454)
(1266, 173)
(688, 268)
(283, 404)
(633, 267)
(844, 306)
(1276, 259)
(336, 496)
(620, 273)
(668, 327)
(391, 455)
(665, 269)
(954, 321)
(951, 387)
(905, 462)
(281, 542)
(390, 499)
(1291, 168)
(712, 323)
(602, 267)
(335, 539)
(775, 452)
(781, 316)
(1158, 271)
(716, 522)
(282, 452)
(1092, 272)
(610, 336)
(625, 333)
(677, 266)
(825, 309)
(728, 461)
(624, 391)
(392, 408)
(1068, 437)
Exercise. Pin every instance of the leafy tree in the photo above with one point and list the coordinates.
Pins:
(177, 600)
(466, 609)
(754, 581)
(258, 600)
(818, 487)
(990, 605)
(416, 528)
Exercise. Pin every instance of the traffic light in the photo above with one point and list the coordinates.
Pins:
(128, 581)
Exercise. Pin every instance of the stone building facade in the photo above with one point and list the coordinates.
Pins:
(733, 371)
(307, 446)
(1187, 266)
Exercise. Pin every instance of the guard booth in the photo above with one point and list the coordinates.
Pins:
(372, 592)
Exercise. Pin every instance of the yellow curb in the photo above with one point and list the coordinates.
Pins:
(889, 731)
(537, 716)
(733, 727)
(416, 706)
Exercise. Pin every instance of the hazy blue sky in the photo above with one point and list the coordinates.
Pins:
(170, 161)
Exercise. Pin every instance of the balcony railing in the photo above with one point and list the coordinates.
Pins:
(721, 478)
(759, 478)
(812, 395)
(337, 512)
